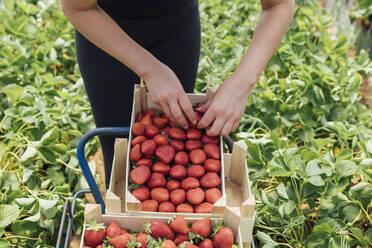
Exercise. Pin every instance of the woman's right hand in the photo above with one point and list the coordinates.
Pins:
(168, 94)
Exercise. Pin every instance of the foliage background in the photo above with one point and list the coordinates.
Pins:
(309, 139)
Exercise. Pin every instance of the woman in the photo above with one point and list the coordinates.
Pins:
(119, 42)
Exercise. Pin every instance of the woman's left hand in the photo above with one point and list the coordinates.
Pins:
(225, 109)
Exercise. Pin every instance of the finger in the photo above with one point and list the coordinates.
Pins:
(187, 108)
(204, 108)
(177, 114)
(235, 126)
(216, 127)
(206, 120)
(166, 110)
(227, 128)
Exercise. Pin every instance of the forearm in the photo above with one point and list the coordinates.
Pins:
(269, 32)
(100, 29)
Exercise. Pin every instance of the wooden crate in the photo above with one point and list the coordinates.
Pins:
(93, 211)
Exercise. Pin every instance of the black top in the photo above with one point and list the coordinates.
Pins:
(142, 8)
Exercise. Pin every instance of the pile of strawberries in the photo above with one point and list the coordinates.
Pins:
(172, 169)
(158, 234)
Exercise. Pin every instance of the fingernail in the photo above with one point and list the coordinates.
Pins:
(186, 127)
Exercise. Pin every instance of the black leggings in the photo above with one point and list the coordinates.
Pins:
(174, 39)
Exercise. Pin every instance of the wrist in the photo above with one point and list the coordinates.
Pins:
(148, 68)
(243, 81)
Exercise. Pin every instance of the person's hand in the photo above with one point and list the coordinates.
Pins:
(167, 93)
(225, 109)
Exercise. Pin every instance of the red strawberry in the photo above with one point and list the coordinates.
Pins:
(173, 184)
(172, 124)
(195, 196)
(192, 144)
(166, 207)
(212, 195)
(160, 139)
(146, 120)
(113, 229)
(212, 165)
(176, 133)
(165, 153)
(138, 140)
(142, 193)
(224, 238)
(178, 196)
(151, 131)
(198, 118)
(204, 208)
(160, 122)
(177, 144)
(184, 208)
(165, 130)
(135, 153)
(190, 183)
(200, 107)
(149, 205)
(177, 172)
(179, 225)
(186, 245)
(140, 174)
(156, 180)
(144, 161)
(120, 241)
(202, 227)
(161, 168)
(207, 243)
(193, 134)
(142, 238)
(94, 234)
(168, 244)
(180, 238)
(181, 158)
(148, 147)
(138, 129)
(151, 112)
(197, 156)
(160, 230)
(212, 151)
(210, 180)
(139, 117)
(196, 171)
(210, 139)
(160, 194)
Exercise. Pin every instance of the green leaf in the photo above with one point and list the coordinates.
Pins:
(26, 228)
(346, 168)
(288, 207)
(29, 154)
(8, 214)
(13, 91)
(316, 180)
(351, 213)
(313, 169)
(282, 191)
(50, 136)
(4, 243)
(266, 239)
(47, 155)
(368, 235)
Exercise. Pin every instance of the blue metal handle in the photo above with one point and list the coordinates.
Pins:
(84, 164)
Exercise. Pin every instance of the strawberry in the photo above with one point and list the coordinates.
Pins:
(156, 180)
(138, 140)
(160, 230)
(148, 147)
(212, 165)
(200, 107)
(161, 168)
(138, 129)
(120, 241)
(190, 183)
(160, 139)
(173, 184)
(140, 174)
(160, 122)
(166, 207)
(210, 180)
(184, 208)
(181, 158)
(94, 233)
(212, 195)
(177, 144)
(172, 124)
(169, 244)
(165, 130)
(212, 151)
(187, 245)
(176, 133)
(179, 225)
(198, 118)
(165, 153)
(142, 193)
(204, 208)
(193, 134)
(197, 156)
(151, 112)
(207, 243)
(151, 131)
(160, 194)
(113, 229)
(177, 172)
(142, 238)
(146, 120)
(135, 153)
(139, 117)
(206, 139)
(180, 238)
(192, 144)
(196, 171)
(178, 196)
(195, 196)
(144, 161)
(224, 238)
(202, 227)
(149, 205)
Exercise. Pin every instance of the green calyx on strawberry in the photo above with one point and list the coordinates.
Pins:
(132, 243)
(94, 233)
(195, 238)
